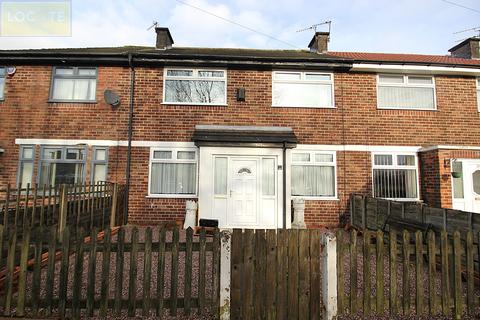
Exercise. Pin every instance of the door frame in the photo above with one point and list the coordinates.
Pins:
(206, 178)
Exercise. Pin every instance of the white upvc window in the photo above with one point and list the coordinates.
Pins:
(99, 164)
(73, 84)
(2, 83)
(195, 86)
(478, 94)
(302, 89)
(395, 175)
(314, 174)
(173, 172)
(25, 165)
(396, 91)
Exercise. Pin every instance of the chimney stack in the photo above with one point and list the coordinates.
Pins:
(164, 38)
(319, 42)
(467, 49)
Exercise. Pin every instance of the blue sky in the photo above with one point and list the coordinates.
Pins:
(408, 26)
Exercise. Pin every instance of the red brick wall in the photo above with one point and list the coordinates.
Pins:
(26, 113)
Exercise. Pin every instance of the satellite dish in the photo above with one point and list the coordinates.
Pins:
(111, 97)
(11, 71)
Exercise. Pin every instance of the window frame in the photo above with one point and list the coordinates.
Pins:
(478, 93)
(22, 160)
(3, 75)
(194, 77)
(406, 84)
(303, 81)
(312, 162)
(395, 165)
(174, 159)
(62, 160)
(74, 76)
(94, 162)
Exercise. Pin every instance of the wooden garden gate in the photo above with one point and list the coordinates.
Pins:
(276, 274)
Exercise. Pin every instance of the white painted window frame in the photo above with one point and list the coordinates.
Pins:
(3, 75)
(174, 159)
(194, 77)
(478, 93)
(396, 166)
(312, 162)
(303, 81)
(406, 84)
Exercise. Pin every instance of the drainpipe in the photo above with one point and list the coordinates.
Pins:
(130, 134)
(284, 185)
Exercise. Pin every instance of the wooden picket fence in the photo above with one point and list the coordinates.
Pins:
(404, 273)
(82, 205)
(86, 276)
(276, 274)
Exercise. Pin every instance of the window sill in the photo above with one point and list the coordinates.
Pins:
(314, 198)
(194, 104)
(73, 101)
(302, 107)
(171, 196)
(406, 109)
(403, 199)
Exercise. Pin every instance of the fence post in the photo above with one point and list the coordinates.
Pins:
(63, 208)
(113, 214)
(329, 275)
(364, 212)
(225, 250)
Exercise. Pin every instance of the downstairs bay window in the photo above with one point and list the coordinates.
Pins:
(406, 92)
(25, 166)
(62, 165)
(395, 176)
(173, 172)
(314, 174)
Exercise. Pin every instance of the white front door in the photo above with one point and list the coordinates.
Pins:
(466, 186)
(472, 186)
(242, 187)
(243, 197)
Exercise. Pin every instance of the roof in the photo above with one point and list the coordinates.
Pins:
(399, 58)
(240, 56)
(190, 51)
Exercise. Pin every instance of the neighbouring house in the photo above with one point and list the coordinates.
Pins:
(245, 131)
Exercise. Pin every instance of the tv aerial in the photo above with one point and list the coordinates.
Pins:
(315, 26)
(154, 24)
(475, 30)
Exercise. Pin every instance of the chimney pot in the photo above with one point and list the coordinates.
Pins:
(467, 49)
(164, 38)
(319, 42)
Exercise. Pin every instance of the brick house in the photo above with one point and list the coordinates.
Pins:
(244, 131)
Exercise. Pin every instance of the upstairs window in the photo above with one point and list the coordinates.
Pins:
(195, 86)
(2, 83)
(478, 93)
(395, 176)
(72, 84)
(406, 92)
(302, 89)
(313, 174)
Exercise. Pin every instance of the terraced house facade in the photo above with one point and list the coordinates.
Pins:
(243, 132)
